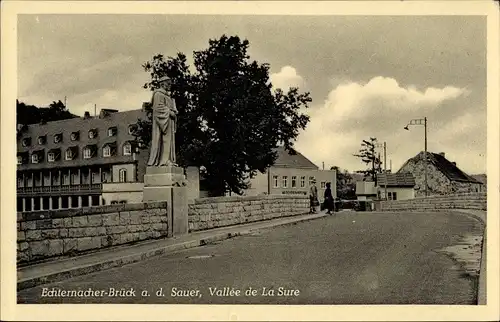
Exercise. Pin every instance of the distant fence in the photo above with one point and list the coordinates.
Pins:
(208, 213)
(476, 201)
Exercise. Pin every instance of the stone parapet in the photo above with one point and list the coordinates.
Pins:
(208, 213)
(477, 201)
(47, 234)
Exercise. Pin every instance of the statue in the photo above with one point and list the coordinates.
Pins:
(162, 151)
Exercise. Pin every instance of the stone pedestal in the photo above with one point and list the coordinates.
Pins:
(168, 183)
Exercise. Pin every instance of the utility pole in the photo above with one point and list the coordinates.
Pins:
(424, 123)
(95, 110)
(385, 169)
(65, 103)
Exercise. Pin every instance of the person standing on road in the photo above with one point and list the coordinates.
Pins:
(313, 196)
(328, 199)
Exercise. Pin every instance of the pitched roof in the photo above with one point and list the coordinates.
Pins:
(396, 179)
(120, 120)
(293, 160)
(449, 169)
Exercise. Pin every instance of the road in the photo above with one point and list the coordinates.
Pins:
(349, 258)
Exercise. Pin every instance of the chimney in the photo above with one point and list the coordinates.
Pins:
(442, 154)
(86, 115)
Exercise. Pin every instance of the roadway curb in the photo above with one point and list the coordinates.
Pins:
(117, 262)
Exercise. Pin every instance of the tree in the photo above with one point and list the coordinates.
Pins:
(346, 187)
(230, 118)
(370, 158)
(30, 114)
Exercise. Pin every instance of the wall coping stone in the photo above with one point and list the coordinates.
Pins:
(96, 210)
(246, 198)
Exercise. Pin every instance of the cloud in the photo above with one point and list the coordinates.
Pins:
(381, 107)
(287, 77)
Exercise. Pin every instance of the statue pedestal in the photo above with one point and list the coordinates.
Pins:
(168, 183)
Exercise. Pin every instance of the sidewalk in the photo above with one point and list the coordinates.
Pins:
(62, 269)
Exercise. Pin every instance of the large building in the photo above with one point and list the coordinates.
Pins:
(79, 162)
(443, 176)
(292, 173)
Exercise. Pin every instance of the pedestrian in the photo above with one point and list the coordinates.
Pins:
(313, 196)
(328, 199)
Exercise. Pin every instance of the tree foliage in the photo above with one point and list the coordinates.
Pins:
(346, 186)
(30, 114)
(230, 118)
(368, 156)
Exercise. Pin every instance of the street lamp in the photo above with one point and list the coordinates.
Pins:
(380, 145)
(424, 123)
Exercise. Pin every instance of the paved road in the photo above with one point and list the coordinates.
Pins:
(350, 258)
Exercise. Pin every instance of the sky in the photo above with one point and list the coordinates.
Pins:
(368, 76)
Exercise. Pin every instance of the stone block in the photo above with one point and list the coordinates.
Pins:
(80, 221)
(116, 230)
(55, 247)
(68, 222)
(157, 226)
(124, 218)
(63, 233)
(106, 241)
(112, 219)
(86, 243)
(70, 245)
(91, 231)
(28, 225)
(95, 220)
(50, 233)
(21, 236)
(101, 231)
(77, 232)
(135, 218)
(58, 223)
(143, 235)
(23, 246)
(33, 235)
(39, 248)
(43, 224)
(23, 257)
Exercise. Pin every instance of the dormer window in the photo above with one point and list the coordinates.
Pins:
(92, 133)
(19, 159)
(71, 153)
(58, 138)
(112, 131)
(75, 136)
(34, 158)
(26, 142)
(127, 149)
(42, 139)
(89, 151)
(106, 151)
(22, 158)
(51, 157)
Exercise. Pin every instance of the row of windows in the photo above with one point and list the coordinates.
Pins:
(72, 152)
(284, 182)
(75, 136)
(66, 180)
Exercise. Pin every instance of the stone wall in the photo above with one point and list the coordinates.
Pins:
(208, 213)
(53, 233)
(475, 201)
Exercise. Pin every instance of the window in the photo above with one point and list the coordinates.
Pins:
(34, 158)
(42, 139)
(20, 182)
(69, 154)
(323, 185)
(294, 181)
(95, 177)
(106, 151)
(26, 142)
(122, 175)
(75, 136)
(58, 138)
(275, 181)
(284, 182)
(87, 153)
(311, 179)
(93, 134)
(112, 131)
(19, 159)
(302, 182)
(392, 196)
(51, 157)
(127, 149)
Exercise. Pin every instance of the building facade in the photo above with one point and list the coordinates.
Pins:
(292, 174)
(400, 186)
(443, 176)
(79, 162)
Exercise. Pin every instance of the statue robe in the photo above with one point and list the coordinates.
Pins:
(162, 151)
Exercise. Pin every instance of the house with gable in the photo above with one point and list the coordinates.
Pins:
(443, 176)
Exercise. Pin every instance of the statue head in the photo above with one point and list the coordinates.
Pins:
(165, 82)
